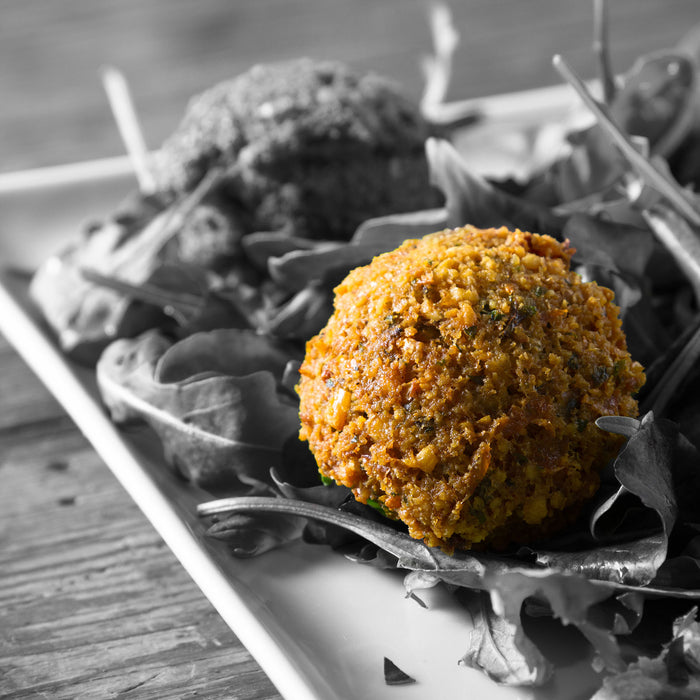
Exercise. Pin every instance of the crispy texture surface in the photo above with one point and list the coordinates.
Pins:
(458, 381)
(313, 146)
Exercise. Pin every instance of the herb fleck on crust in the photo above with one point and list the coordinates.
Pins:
(458, 381)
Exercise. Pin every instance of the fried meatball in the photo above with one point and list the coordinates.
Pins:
(457, 384)
(312, 146)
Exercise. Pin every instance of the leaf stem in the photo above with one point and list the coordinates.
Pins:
(601, 47)
(411, 553)
(144, 292)
(176, 304)
(438, 67)
(122, 105)
(681, 241)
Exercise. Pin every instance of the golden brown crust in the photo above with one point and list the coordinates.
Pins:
(458, 382)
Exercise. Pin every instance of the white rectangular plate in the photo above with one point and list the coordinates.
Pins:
(318, 624)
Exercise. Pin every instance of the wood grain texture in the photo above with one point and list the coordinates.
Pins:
(92, 604)
(54, 109)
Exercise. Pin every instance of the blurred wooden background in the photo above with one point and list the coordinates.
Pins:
(53, 108)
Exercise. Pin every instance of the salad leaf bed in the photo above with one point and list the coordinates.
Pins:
(209, 361)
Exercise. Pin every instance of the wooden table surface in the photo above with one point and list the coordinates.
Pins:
(92, 603)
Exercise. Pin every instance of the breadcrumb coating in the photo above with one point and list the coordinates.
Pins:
(458, 381)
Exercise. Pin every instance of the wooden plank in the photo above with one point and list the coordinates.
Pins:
(51, 52)
(92, 603)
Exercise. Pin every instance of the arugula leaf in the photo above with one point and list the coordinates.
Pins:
(329, 263)
(252, 535)
(674, 673)
(384, 233)
(683, 569)
(86, 316)
(660, 467)
(657, 100)
(311, 271)
(610, 245)
(393, 675)
(570, 597)
(302, 316)
(212, 398)
(589, 173)
(645, 468)
(498, 646)
(185, 294)
(470, 199)
(634, 562)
